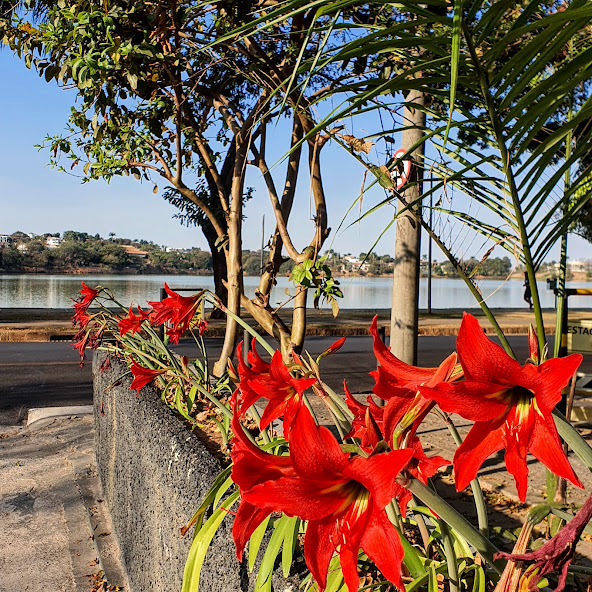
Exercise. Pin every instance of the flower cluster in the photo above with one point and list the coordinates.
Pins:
(180, 313)
(342, 494)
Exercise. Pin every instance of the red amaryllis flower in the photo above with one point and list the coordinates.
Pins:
(87, 296)
(131, 322)
(511, 405)
(342, 498)
(202, 327)
(246, 455)
(398, 383)
(367, 423)
(176, 309)
(422, 467)
(283, 391)
(88, 338)
(80, 317)
(395, 378)
(142, 376)
(556, 555)
(256, 368)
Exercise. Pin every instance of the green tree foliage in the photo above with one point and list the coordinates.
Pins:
(80, 250)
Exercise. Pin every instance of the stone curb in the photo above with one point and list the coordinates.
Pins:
(39, 413)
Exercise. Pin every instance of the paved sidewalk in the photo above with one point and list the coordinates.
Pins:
(54, 533)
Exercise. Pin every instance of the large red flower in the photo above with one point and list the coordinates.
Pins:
(511, 405)
(275, 383)
(86, 298)
(176, 309)
(256, 368)
(368, 422)
(422, 467)
(142, 376)
(342, 498)
(132, 322)
(398, 383)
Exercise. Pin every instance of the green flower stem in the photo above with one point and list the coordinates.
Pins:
(128, 347)
(573, 439)
(480, 505)
(580, 569)
(433, 501)
(392, 511)
(338, 424)
(421, 524)
(341, 423)
(255, 413)
(347, 414)
(450, 556)
(567, 517)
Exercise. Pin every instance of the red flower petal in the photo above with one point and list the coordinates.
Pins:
(477, 401)
(318, 550)
(548, 379)
(382, 543)
(402, 373)
(481, 358)
(546, 447)
(377, 473)
(307, 498)
(484, 439)
(315, 452)
(248, 518)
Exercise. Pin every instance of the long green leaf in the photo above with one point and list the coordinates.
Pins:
(201, 543)
(255, 542)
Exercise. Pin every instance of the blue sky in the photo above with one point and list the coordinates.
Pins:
(36, 198)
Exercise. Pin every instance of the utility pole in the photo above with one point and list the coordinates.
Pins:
(429, 306)
(405, 302)
(262, 240)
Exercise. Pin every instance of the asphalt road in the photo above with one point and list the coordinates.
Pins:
(48, 374)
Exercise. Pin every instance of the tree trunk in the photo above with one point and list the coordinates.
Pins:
(405, 302)
(218, 268)
(234, 260)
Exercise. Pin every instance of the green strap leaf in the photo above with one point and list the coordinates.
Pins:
(201, 543)
(255, 542)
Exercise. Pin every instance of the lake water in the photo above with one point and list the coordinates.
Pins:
(57, 291)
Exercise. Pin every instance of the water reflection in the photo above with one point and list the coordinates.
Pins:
(57, 291)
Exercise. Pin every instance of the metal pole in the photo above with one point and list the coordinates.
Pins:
(163, 295)
(262, 240)
(562, 406)
(430, 253)
(246, 346)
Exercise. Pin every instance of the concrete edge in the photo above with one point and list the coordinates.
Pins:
(99, 523)
(36, 414)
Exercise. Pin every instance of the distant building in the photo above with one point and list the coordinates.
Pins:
(53, 242)
(176, 250)
(4, 239)
(576, 266)
(22, 247)
(135, 252)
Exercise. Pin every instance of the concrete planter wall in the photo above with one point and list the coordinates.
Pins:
(154, 475)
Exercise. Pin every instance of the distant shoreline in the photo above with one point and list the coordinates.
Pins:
(574, 277)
